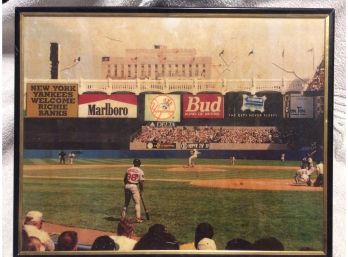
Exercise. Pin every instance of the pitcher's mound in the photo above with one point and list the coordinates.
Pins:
(196, 168)
(255, 184)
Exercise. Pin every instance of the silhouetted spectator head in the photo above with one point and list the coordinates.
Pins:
(125, 227)
(24, 241)
(157, 229)
(67, 241)
(34, 244)
(104, 243)
(268, 244)
(239, 244)
(34, 218)
(157, 238)
(203, 230)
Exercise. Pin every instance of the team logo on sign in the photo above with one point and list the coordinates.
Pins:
(253, 103)
(162, 107)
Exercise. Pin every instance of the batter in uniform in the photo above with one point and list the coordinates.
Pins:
(133, 180)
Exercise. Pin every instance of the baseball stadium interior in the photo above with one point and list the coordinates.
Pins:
(220, 149)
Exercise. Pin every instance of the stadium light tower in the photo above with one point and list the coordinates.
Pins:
(54, 58)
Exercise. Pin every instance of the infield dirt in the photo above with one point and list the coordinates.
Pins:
(243, 184)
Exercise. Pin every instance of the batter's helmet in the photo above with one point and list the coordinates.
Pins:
(136, 162)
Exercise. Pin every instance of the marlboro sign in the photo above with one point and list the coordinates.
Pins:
(203, 106)
(108, 106)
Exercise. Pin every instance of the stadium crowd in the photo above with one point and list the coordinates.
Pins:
(34, 238)
(317, 82)
(212, 134)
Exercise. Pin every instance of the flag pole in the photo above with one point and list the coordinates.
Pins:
(283, 66)
(253, 67)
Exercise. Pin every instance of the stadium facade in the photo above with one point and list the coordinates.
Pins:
(159, 62)
(171, 88)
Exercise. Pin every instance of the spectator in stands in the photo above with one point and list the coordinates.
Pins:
(104, 243)
(204, 237)
(157, 238)
(125, 231)
(239, 244)
(67, 241)
(206, 244)
(33, 227)
(268, 244)
(34, 244)
(190, 134)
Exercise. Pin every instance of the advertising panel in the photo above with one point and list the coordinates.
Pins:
(244, 107)
(301, 107)
(195, 146)
(157, 145)
(203, 106)
(162, 107)
(51, 100)
(108, 106)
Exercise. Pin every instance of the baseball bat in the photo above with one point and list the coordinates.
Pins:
(146, 212)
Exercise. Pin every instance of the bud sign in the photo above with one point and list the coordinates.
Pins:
(203, 106)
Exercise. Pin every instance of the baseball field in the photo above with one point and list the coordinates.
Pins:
(249, 200)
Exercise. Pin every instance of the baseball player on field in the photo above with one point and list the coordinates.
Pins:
(319, 182)
(134, 184)
(303, 176)
(193, 157)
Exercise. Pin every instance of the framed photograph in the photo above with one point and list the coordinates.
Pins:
(173, 131)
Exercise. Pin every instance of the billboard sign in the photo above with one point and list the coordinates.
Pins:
(51, 100)
(108, 106)
(247, 107)
(203, 106)
(301, 107)
(195, 146)
(162, 107)
(157, 145)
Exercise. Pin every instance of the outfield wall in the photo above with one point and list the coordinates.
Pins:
(216, 146)
(172, 154)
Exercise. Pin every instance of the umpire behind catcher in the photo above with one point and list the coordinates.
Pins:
(134, 185)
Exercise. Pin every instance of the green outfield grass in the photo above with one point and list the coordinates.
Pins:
(293, 217)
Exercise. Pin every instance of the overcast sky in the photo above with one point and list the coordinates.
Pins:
(93, 37)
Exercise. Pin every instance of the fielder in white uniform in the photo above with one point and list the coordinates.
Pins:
(133, 180)
(193, 157)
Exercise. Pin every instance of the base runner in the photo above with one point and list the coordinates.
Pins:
(134, 184)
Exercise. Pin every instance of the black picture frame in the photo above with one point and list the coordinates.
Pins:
(18, 124)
